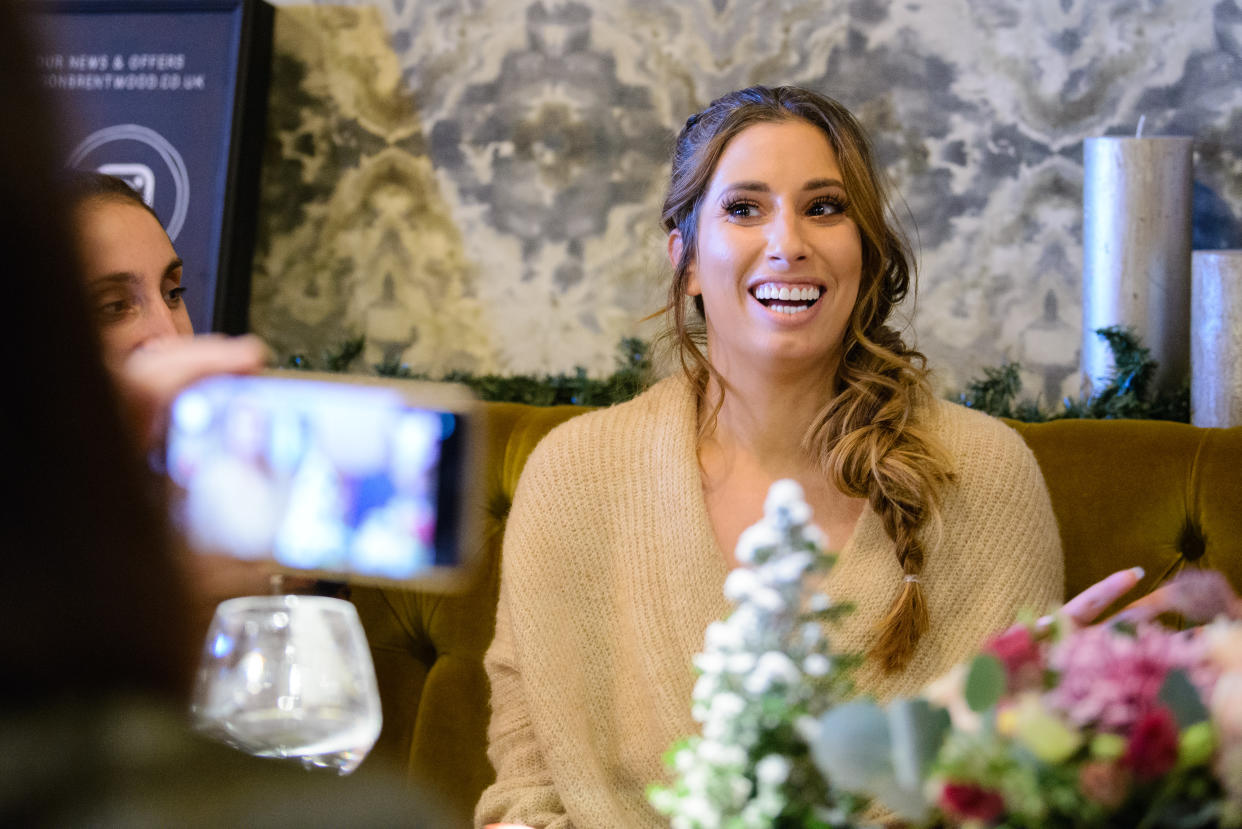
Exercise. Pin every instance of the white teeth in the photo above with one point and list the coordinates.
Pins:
(785, 293)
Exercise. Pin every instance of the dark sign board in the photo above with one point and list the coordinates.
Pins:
(171, 95)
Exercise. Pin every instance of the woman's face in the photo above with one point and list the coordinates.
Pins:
(778, 263)
(133, 276)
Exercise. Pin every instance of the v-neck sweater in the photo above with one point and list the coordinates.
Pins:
(611, 573)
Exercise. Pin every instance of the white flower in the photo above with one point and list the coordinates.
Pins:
(722, 636)
(782, 494)
(740, 663)
(705, 686)
(739, 790)
(700, 811)
(722, 754)
(786, 569)
(767, 599)
(818, 603)
(773, 667)
(741, 584)
(709, 663)
(727, 705)
(756, 537)
(799, 513)
(772, 770)
(684, 760)
(814, 535)
(811, 634)
(816, 664)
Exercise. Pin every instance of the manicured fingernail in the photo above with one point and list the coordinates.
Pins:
(1138, 572)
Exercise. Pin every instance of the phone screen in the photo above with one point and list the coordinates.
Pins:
(330, 477)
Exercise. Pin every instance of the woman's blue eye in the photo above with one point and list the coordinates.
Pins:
(741, 209)
(173, 297)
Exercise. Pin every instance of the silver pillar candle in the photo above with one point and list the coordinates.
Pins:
(1216, 338)
(1136, 251)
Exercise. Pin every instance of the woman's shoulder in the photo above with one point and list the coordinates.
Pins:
(645, 434)
(663, 408)
(977, 440)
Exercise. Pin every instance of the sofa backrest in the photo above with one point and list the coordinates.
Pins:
(1160, 495)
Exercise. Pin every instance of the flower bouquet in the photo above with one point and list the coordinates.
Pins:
(1054, 725)
(1051, 725)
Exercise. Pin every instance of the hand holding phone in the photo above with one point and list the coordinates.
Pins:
(358, 480)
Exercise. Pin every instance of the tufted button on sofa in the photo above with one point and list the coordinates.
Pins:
(1160, 495)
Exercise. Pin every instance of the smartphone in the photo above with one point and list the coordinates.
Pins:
(356, 480)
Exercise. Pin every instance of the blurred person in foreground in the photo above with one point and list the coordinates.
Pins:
(97, 646)
(133, 279)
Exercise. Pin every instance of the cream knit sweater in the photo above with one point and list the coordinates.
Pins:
(611, 575)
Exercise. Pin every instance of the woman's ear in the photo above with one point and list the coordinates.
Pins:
(676, 244)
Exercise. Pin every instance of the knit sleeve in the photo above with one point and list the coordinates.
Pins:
(524, 791)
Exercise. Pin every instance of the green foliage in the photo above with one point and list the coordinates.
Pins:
(985, 682)
(1127, 394)
(576, 388)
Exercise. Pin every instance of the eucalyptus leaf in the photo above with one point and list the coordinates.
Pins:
(850, 745)
(985, 682)
(1182, 698)
(918, 730)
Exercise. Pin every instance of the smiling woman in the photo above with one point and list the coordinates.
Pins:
(786, 269)
(133, 274)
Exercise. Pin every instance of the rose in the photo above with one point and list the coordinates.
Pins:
(1152, 748)
(966, 801)
(1018, 651)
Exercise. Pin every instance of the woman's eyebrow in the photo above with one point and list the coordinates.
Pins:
(173, 265)
(761, 187)
(114, 278)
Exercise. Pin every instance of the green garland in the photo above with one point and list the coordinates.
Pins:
(1128, 393)
(578, 389)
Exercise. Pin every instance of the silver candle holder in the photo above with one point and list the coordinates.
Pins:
(1216, 339)
(1136, 251)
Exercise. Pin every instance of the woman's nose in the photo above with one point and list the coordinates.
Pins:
(786, 244)
(158, 323)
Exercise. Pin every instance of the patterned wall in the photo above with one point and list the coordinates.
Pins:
(476, 183)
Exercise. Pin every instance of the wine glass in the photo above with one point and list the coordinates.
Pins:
(289, 677)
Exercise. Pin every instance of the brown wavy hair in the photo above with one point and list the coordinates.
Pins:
(865, 438)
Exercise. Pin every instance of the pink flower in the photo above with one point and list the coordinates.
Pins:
(1152, 749)
(1110, 679)
(1105, 783)
(966, 801)
(1018, 651)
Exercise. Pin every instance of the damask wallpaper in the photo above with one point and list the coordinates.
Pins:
(475, 184)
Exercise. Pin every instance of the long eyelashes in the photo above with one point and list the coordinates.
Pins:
(744, 208)
(828, 205)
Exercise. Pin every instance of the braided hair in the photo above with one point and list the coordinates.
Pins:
(865, 438)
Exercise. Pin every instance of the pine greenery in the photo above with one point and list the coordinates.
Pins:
(1128, 394)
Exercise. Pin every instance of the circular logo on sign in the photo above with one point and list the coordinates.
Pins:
(112, 150)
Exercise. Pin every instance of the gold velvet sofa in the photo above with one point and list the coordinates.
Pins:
(1160, 495)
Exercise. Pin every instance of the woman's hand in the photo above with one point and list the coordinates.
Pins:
(1198, 595)
(152, 376)
(1086, 607)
